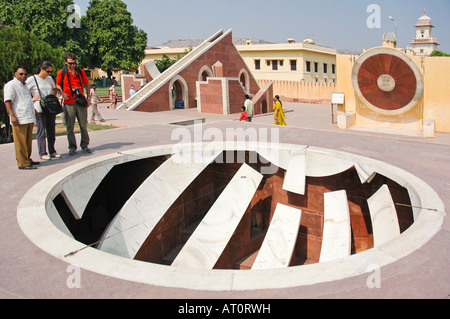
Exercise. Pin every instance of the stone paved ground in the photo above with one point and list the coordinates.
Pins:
(28, 272)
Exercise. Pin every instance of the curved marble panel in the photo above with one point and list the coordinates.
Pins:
(384, 216)
(336, 241)
(140, 214)
(210, 238)
(278, 245)
(321, 163)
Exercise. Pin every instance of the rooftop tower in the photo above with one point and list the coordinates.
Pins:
(424, 43)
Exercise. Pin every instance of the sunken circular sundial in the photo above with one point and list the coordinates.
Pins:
(230, 216)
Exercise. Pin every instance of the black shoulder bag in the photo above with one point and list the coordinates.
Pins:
(79, 98)
(50, 103)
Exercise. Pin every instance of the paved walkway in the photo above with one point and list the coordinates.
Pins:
(28, 272)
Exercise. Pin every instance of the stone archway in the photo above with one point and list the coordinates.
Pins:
(244, 79)
(204, 73)
(178, 93)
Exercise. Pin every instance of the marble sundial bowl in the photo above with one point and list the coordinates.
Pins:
(114, 253)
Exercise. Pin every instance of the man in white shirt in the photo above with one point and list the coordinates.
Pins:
(19, 105)
(249, 107)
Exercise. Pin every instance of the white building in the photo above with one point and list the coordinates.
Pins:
(424, 43)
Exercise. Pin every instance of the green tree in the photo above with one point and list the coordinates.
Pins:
(20, 47)
(52, 21)
(45, 19)
(165, 62)
(113, 41)
(104, 38)
(439, 53)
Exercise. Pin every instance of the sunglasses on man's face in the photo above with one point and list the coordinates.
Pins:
(23, 74)
(71, 63)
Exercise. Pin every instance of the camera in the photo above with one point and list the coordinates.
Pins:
(76, 91)
(79, 98)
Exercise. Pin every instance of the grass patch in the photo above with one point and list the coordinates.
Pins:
(105, 91)
(60, 129)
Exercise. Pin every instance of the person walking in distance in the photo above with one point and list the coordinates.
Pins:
(278, 113)
(70, 81)
(95, 98)
(112, 97)
(22, 115)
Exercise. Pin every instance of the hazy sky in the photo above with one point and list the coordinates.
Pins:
(340, 24)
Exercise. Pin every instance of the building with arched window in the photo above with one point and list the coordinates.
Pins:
(211, 77)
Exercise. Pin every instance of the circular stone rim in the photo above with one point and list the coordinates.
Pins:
(384, 50)
(34, 221)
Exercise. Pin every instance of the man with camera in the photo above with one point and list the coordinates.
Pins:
(69, 82)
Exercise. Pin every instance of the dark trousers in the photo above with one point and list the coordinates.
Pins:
(46, 133)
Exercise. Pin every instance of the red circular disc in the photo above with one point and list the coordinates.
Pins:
(387, 82)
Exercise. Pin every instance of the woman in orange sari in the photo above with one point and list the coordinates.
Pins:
(278, 114)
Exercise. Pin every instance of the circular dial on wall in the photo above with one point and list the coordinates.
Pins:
(387, 81)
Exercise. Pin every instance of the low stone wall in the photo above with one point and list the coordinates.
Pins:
(306, 92)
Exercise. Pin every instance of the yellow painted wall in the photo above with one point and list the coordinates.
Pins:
(408, 121)
(437, 92)
(344, 65)
(305, 92)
